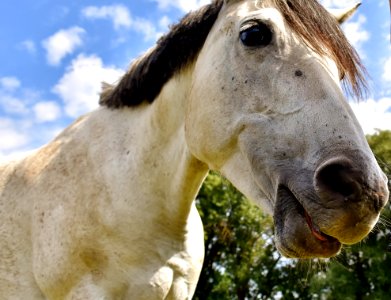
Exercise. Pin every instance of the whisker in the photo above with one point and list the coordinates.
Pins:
(383, 222)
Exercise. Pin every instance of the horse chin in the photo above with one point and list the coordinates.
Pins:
(296, 235)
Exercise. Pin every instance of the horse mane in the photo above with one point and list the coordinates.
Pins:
(322, 33)
(173, 51)
(179, 47)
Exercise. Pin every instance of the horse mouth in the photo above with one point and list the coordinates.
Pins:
(316, 232)
(297, 235)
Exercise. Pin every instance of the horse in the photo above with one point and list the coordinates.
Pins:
(250, 89)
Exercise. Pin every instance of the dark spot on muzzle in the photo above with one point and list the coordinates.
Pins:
(299, 73)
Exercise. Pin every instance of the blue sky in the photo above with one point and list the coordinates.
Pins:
(54, 55)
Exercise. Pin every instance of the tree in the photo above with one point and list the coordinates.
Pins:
(241, 261)
(380, 144)
(235, 241)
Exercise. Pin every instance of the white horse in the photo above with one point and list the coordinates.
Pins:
(247, 88)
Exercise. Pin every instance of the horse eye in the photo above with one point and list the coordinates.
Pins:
(256, 35)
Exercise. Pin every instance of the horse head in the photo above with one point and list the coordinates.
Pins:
(267, 110)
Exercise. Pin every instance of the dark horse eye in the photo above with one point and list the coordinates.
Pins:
(256, 35)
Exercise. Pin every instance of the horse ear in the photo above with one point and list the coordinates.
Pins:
(345, 13)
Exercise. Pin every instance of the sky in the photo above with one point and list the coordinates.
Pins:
(55, 54)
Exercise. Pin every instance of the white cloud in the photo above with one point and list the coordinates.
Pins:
(373, 114)
(356, 33)
(11, 137)
(183, 5)
(387, 37)
(9, 83)
(29, 45)
(338, 3)
(165, 22)
(387, 71)
(12, 104)
(9, 102)
(118, 14)
(121, 17)
(80, 86)
(62, 43)
(46, 111)
(146, 28)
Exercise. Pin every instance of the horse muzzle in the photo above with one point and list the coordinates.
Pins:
(355, 193)
(342, 207)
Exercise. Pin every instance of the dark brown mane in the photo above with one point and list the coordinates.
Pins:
(310, 20)
(146, 78)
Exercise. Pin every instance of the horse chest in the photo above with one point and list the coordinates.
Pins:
(77, 256)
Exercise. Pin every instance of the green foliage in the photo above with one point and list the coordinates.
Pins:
(237, 239)
(381, 146)
(241, 261)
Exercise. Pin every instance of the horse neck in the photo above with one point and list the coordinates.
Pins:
(168, 111)
(159, 168)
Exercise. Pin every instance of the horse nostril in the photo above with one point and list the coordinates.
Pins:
(338, 178)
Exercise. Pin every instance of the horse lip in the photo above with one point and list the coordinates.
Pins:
(314, 228)
(316, 232)
(296, 235)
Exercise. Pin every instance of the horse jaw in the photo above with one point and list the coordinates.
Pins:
(343, 14)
